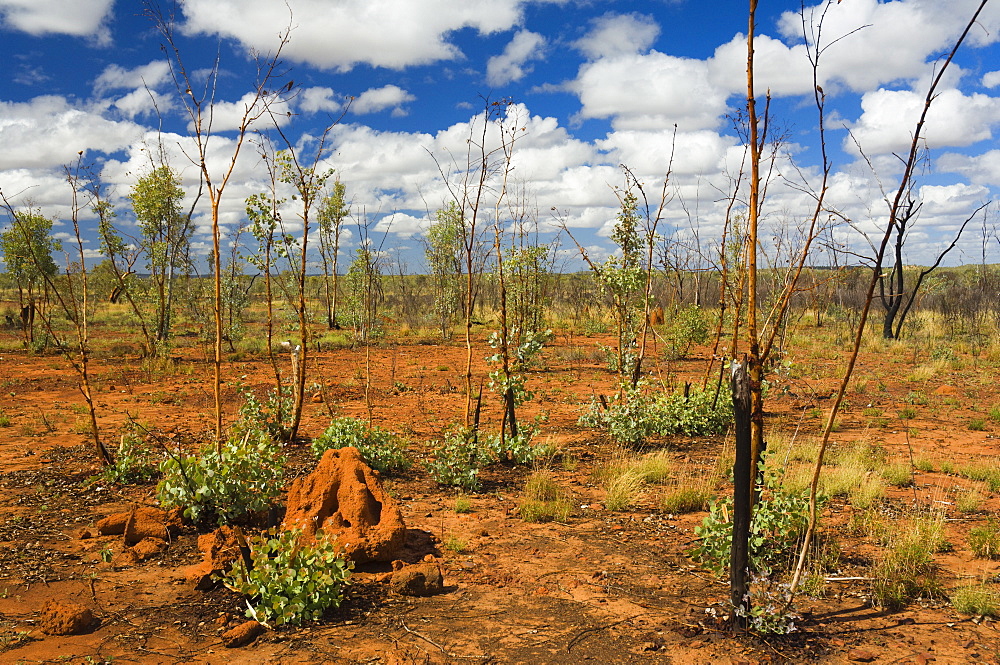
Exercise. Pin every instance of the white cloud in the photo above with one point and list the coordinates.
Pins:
(114, 77)
(896, 39)
(981, 169)
(650, 152)
(991, 79)
(142, 102)
(402, 224)
(48, 131)
(315, 99)
(67, 17)
(379, 99)
(617, 35)
(228, 116)
(889, 117)
(950, 200)
(339, 35)
(511, 64)
(777, 68)
(650, 92)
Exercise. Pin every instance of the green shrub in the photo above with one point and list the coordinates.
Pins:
(457, 460)
(273, 414)
(513, 449)
(779, 520)
(637, 413)
(134, 461)
(245, 476)
(687, 328)
(292, 580)
(380, 449)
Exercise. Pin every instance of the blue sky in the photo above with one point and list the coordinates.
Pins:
(596, 84)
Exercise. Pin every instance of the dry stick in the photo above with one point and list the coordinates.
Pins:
(904, 183)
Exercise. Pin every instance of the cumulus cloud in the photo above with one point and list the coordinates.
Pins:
(511, 65)
(888, 120)
(991, 79)
(142, 102)
(981, 169)
(651, 91)
(615, 35)
(115, 77)
(316, 99)
(402, 224)
(379, 99)
(262, 112)
(895, 41)
(343, 34)
(48, 131)
(40, 17)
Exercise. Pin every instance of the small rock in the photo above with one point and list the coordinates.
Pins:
(421, 579)
(85, 534)
(124, 559)
(65, 618)
(923, 658)
(242, 635)
(860, 656)
(145, 522)
(147, 548)
(112, 525)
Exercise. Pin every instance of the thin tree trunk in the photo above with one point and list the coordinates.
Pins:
(743, 475)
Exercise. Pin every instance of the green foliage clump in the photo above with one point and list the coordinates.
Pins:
(779, 520)
(134, 461)
(458, 459)
(636, 414)
(380, 449)
(514, 449)
(511, 379)
(272, 414)
(244, 476)
(687, 328)
(291, 580)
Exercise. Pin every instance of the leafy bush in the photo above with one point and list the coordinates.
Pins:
(458, 459)
(779, 520)
(134, 461)
(380, 449)
(637, 413)
(273, 414)
(515, 449)
(687, 329)
(291, 580)
(246, 475)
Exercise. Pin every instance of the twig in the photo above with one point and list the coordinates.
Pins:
(579, 636)
(424, 638)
